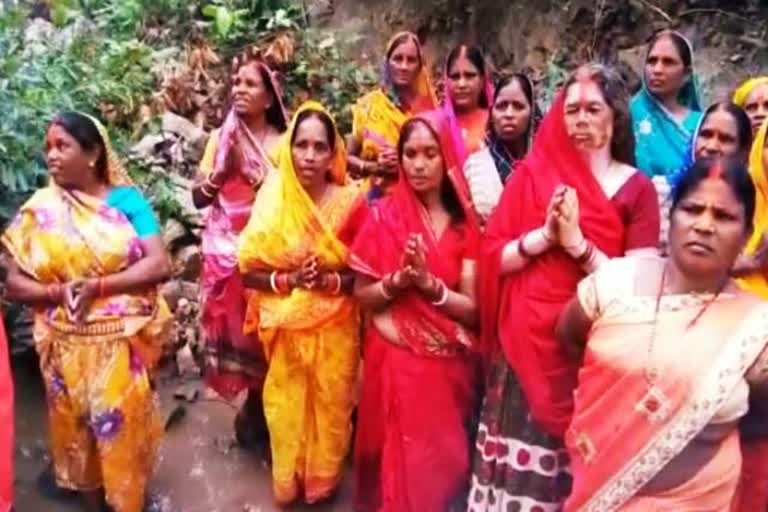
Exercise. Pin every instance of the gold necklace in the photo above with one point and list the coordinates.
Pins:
(655, 404)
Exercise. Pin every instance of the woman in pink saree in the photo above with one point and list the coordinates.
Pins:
(674, 354)
(236, 162)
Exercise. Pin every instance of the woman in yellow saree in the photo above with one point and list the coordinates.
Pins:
(405, 90)
(752, 96)
(674, 355)
(87, 255)
(293, 258)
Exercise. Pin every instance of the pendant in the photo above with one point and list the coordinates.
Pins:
(655, 405)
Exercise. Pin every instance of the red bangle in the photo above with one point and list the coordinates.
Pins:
(586, 255)
(282, 282)
(51, 291)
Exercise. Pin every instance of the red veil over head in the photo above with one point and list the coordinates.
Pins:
(380, 244)
(519, 312)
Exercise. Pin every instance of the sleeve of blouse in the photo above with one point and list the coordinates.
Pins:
(758, 372)
(484, 183)
(644, 219)
(209, 156)
(139, 213)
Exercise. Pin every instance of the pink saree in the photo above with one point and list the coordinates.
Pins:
(618, 442)
(234, 360)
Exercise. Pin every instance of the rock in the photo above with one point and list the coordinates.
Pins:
(185, 362)
(173, 231)
(188, 263)
(171, 292)
(184, 128)
(147, 146)
(183, 194)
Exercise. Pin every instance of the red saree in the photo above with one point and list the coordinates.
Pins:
(523, 307)
(412, 446)
(6, 425)
(234, 360)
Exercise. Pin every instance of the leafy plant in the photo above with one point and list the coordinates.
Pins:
(236, 21)
(323, 70)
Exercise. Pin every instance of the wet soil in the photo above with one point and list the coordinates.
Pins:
(200, 469)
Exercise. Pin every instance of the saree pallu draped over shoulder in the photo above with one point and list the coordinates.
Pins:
(98, 370)
(419, 391)
(618, 441)
(310, 338)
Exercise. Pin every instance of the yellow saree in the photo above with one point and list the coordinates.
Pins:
(310, 337)
(378, 116)
(104, 429)
(756, 283)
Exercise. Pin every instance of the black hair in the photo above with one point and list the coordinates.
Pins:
(448, 196)
(743, 124)
(476, 57)
(732, 171)
(274, 114)
(682, 46)
(615, 93)
(324, 118)
(527, 87)
(84, 131)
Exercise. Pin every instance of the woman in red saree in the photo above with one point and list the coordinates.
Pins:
(674, 354)
(6, 423)
(573, 203)
(415, 258)
(237, 160)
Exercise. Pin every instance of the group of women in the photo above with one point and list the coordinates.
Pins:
(526, 314)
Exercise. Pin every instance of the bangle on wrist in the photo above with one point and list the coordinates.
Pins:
(52, 291)
(273, 282)
(100, 287)
(204, 190)
(209, 181)
(283, 282)
(334, 283)
(546, 237)
(386, 287)
(443, 298)
(521, 250)
(586, 255)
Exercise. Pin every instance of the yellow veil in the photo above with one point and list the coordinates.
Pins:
(756, 283)
(740, 95)
(286, 227)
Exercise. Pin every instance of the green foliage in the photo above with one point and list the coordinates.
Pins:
(323, 70)
(234, 22)
(87, 72)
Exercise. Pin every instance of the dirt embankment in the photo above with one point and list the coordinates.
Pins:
(548, 36)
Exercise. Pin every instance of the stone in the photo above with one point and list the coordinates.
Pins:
(173, 231)
(184, 128)
(188, 263)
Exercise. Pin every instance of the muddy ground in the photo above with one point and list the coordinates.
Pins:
(200, 469)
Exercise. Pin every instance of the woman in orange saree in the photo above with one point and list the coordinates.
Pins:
(405, 90)
(6, 423)
(88, 256)
(416, 261)
(293, 257)
(673, 351)
(236, 162)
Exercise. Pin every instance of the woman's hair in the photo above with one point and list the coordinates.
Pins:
(400, 40)
(743, 124)
(476, 57)
(448, 195)
(84, 131)
(615, 93)
(526, 86)
(732, 171)
(681, 44)
(324, 118)
(275, 115)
